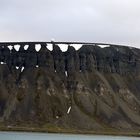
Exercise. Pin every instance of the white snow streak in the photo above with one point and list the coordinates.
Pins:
(66, 73)
(22, 69)
(17, 47)
(17, 67)
(26, 47)
(69, 110)
(37, 47)
(10, 47)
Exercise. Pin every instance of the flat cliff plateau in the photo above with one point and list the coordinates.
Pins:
(91, 90)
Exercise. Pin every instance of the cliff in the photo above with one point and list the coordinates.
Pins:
(89, 89)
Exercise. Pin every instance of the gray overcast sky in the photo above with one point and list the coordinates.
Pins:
(107, 21)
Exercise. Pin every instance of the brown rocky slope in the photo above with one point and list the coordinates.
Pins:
(91, 89)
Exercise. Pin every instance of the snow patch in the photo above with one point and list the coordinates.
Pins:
(66, 73)
(69, 109)
(63, 47)
(37, 47)
(17, 67)
(77, 46)
(2, 63)
(17, 47)
(49, 47)
(103, 46)
(10, 47)
(26, 47)
(22, 69)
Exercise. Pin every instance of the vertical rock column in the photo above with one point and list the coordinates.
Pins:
(31, 56)
(72, 61)
(87, 58)
(21, 56)
(13, 58)
(5, 54)
(45, 58)
(59, 59)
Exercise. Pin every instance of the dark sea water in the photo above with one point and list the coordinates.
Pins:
(45, 136)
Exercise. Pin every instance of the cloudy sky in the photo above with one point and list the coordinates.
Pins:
(105, 21)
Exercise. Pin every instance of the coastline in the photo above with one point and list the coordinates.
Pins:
(68, 131)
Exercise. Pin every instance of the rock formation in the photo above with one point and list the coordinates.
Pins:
(92, 88)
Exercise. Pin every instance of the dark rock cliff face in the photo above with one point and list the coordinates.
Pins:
(113, 59)
(92, 88)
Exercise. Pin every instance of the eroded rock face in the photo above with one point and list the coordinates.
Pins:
(45, 58)
(113, 59)
(92, 88)
(31, 56)
(59, 59)
(71, 61)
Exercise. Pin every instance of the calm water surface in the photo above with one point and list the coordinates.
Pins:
(44, 136)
